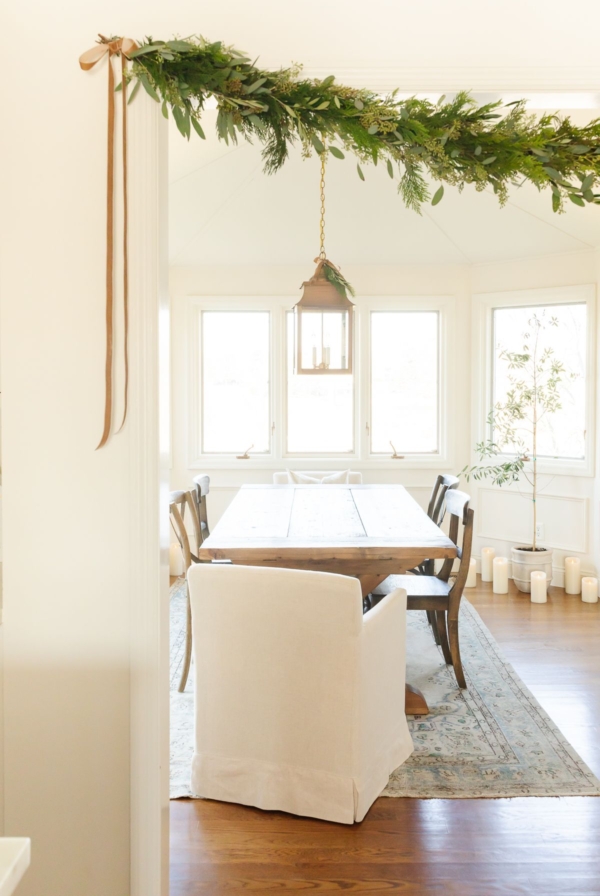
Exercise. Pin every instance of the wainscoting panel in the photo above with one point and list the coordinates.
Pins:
(507, 516)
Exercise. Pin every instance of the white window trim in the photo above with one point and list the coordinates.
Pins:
(360, 458)
(483, 308)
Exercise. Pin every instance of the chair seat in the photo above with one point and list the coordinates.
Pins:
(415, 586)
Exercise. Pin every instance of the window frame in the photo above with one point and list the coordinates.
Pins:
(361, 456)
(484, 305)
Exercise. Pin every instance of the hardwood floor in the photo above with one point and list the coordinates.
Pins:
(467, 847)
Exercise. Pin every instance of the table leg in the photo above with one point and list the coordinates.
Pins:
(415, 703)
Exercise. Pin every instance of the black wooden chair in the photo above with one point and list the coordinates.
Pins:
(436, 511)
(436, 594)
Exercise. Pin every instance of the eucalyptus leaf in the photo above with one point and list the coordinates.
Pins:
(489, 160)
(360, 172)
(336, 152)
(390, 168)
(373, 129)
(165, 109)
(133, 93)
(327, 82)
(438, 195)
(579, 149)
(198, 128)
(478, 150)
(255, 86)
(359, 104)
(576, 199)
(179, 120)
(336, 100)
(317, 144)
(555, 202)
(588, 182)
(148, 86)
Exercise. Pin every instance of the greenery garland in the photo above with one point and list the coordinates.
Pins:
(455, 142)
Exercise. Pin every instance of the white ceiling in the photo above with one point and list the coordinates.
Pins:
(225, 210)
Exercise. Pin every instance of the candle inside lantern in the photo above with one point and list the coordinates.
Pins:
(500, 575)
(326, 353)
(314, 355)
(589, 589)
(538, 588)
(487, 560)
(572, 575)
(472, 576)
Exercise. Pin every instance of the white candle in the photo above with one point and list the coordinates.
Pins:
(589, 589)
(314, 355)
(572, 575)
(487, 560)
(538, 587)
(500, 575)
(472, 577)
(326, 352)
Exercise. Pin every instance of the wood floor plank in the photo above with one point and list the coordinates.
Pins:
(526, 847)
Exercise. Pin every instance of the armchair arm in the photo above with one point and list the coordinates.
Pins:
(383, 675)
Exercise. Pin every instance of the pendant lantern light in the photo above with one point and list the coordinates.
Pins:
(324, 315)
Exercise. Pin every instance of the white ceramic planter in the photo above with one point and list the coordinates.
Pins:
(525, 562)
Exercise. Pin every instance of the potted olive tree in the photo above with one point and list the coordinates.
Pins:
(534, 377)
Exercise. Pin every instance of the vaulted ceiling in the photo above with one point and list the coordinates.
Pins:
(225, 210)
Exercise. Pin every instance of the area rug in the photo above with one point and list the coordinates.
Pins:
(493, 740)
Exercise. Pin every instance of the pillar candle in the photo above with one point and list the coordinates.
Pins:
(538, 587)
(572, 575)
(589, 589)
(472, 577)
(500, 575)
(487, 559)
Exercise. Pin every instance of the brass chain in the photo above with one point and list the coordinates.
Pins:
(322, 222)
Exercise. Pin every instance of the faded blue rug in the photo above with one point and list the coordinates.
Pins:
(493, 740)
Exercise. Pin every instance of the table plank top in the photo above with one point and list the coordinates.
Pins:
(288, 523)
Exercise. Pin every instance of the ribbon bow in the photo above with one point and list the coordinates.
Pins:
(113, 47)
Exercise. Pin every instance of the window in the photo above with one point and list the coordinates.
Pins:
(243, 392)
(320, 409)
(404, 382)
(561, 434)
(235, 397)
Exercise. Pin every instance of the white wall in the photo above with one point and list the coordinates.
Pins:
(68, 510)
(284, 280)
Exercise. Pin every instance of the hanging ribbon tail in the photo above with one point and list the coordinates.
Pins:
(87, 61)
(125, 241)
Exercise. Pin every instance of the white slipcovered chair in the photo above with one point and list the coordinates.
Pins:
(299, 697)
(306, 476)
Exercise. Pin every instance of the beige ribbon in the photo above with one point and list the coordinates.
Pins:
(120, 47)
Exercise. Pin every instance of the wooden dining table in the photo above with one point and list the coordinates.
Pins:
(366, 531)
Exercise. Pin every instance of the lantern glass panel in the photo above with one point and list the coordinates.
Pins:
(323, 340)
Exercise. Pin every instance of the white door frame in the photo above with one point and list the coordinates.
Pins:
(149, 424)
